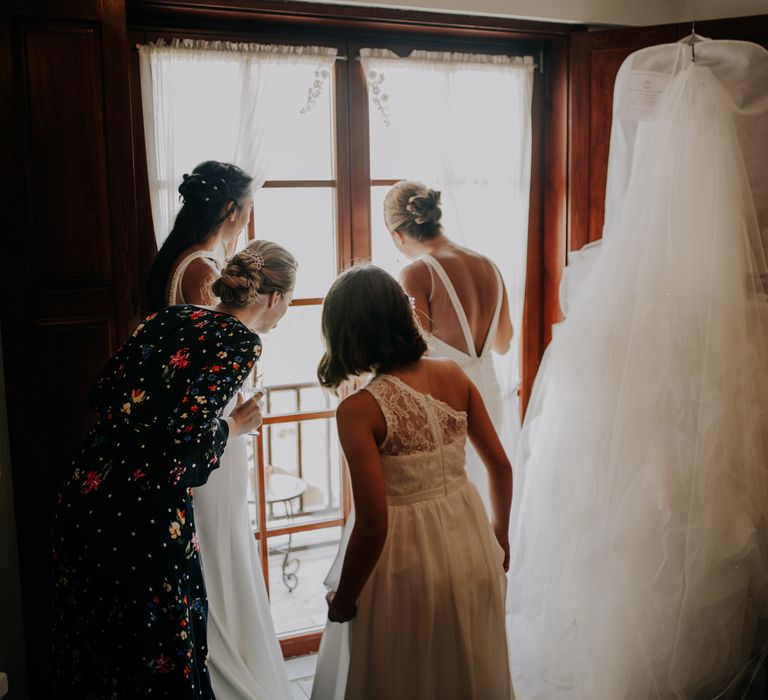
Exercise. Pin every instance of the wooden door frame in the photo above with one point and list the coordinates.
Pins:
(49, 317)
(348, 29)
(308, 22)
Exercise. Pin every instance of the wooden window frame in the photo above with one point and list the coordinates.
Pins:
(349, 29)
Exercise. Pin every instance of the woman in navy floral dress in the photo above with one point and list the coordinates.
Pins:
(129, 597)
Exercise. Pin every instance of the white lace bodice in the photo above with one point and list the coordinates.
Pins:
(423, 452)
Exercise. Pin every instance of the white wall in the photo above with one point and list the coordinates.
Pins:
(12, 659)
(620, 12)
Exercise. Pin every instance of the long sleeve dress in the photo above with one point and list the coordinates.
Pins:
(129, 598)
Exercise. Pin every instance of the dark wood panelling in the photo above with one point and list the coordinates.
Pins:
(310, 15)
(70, 233)
(547, 213)
(60, 9)
(65, 143)
(62, 377)
(595, 60)
(753, 29)
(555, 181)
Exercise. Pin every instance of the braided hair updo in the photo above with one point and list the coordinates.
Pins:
(260, 268)
(413, 209)
(206, 194)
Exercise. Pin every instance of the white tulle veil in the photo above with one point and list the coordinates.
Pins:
(639, 555)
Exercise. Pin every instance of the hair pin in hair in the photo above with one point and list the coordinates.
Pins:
(255, 256)
(417, 212)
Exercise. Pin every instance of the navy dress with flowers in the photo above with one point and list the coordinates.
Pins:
(130, 604)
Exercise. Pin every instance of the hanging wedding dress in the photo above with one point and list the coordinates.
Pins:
(741, 67)
(244, 658)
(479, 368)
(639, 555)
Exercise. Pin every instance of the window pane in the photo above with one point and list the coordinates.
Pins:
(294, 397)
(292, 350)
(384, 253)
(407, 146)
(302, 142)
(201, 129)
(303, 479)
(296, 591)
(304, 221)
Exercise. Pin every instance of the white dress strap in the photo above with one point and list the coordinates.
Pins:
(431, 284)
(175, 290)
(496, 314)
(454, 297)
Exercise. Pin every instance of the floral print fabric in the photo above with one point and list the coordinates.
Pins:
(130, 603)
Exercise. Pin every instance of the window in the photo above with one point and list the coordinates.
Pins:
(322, 186)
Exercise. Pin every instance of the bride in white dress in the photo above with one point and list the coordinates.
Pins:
(640, 532)
(460, 299)
(423, 578)
(245, 661)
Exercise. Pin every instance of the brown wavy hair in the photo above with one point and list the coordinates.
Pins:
(368, 325)
(262, 267)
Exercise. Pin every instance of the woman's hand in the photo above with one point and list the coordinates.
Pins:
(246, 416)
(502, 537)
(337, 611)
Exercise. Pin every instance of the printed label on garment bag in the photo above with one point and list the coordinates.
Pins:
(641, 94)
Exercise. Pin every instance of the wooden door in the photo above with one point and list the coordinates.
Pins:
(68, 282)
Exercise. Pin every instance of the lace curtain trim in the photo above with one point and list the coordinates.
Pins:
(239, 47)
(383, 57)
(322, 55)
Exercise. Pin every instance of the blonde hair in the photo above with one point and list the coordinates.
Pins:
(262, 267)
(413, 209)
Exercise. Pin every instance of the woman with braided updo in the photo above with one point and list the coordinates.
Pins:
(245, 661)
(244, 656)
(129, 598)
(459, 297)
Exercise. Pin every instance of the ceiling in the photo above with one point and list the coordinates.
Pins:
(610, 12)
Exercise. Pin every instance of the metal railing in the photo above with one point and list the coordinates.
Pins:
(272, 422)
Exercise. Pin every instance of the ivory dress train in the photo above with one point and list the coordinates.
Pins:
(640, 515)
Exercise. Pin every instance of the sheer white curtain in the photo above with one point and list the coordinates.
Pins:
(460, 123)
(220, 101)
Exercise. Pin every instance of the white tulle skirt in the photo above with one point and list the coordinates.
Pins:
(639, 518)
(430, 620)
(244, 659)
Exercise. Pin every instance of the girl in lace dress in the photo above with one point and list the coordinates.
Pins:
(424, 571)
